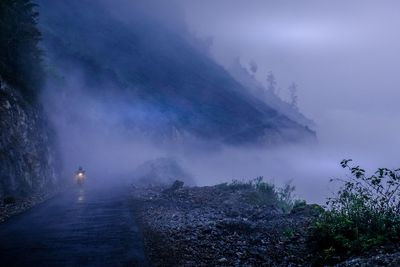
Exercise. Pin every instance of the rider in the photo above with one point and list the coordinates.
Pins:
(80, 170)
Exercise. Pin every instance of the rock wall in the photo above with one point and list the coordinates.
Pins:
(27, 157)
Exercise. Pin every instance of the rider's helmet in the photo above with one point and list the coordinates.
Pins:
(80, 168)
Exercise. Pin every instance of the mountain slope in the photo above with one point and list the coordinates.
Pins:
(148, 62)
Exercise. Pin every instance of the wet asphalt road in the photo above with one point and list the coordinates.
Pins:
(80, 227)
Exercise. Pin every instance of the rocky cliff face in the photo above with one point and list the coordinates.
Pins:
(27, 159)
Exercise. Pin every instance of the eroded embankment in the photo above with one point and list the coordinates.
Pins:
(225, 225)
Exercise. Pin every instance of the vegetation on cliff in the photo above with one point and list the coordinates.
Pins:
(20, 56)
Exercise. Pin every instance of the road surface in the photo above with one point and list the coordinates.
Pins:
(80, 227)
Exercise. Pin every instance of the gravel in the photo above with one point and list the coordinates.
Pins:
(219, 226)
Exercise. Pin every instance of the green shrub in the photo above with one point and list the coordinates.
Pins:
(363, 214)
(264, 193)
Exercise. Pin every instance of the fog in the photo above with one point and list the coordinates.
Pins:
(342, 54)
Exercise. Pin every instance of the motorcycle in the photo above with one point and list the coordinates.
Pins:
(80, 177)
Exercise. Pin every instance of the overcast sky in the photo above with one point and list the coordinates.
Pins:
(344, 55)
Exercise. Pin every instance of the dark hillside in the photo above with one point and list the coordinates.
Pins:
(155, 64)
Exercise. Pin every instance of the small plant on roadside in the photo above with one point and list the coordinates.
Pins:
(363, 214)
(286, 197)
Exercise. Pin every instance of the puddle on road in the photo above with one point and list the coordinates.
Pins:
(81, 195)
